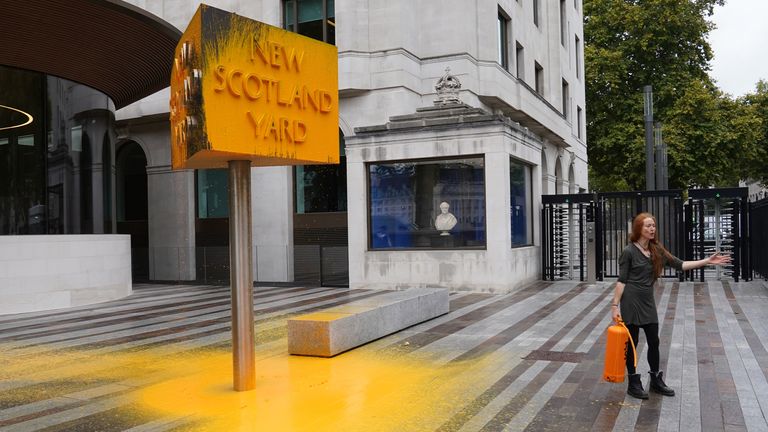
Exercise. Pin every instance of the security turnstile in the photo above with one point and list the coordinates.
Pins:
(717, 220)
(564, 235)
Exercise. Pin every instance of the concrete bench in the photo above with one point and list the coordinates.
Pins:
(338, 329)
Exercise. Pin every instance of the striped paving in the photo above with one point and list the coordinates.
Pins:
(525, 361)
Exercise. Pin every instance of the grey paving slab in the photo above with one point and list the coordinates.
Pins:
(479, 353)
(750, 383)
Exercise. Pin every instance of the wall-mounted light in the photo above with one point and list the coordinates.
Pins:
(29, 118)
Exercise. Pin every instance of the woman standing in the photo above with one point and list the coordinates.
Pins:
(640, 264)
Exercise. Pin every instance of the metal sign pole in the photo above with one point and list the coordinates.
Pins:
(591, 243)
(241, 275)
(650, 181)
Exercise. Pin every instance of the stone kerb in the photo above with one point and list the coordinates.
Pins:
(335, 330)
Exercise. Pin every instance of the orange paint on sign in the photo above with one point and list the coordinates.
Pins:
(242, 89)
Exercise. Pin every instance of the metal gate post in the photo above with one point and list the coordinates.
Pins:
(591, 258)
(241, 275)
(582, 262)
(736, 230)
(701, 237)
(599, 237)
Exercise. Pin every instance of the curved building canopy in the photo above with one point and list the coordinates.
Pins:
(109, 45)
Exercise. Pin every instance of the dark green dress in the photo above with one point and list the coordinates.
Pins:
(638, 305)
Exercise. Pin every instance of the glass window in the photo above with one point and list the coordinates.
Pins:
(503, 41)
(311, 18)
(212, 194)
(536, 12)
(22, 154)
(51, 166)
(577, 49)
(578, 121)
(427, 204)
(322, 188)
(520, 203)
(566, 98)
(539, 78)
(563, 24)
(520, 60)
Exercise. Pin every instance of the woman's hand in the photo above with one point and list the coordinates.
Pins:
(615, 314)
(717, 259)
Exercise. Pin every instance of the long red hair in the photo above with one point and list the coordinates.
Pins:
(658, 251)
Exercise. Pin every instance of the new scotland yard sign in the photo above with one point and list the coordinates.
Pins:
(245, 90)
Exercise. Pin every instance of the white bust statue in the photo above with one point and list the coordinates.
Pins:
(445, 221)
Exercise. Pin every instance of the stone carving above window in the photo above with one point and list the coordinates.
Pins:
(448, 89)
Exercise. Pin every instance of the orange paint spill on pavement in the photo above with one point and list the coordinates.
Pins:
(348, 392)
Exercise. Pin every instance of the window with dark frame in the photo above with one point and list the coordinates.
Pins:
(520, 61)
(520, 204)
(563, 24)
(503, 31)
(577, 51)
(539, 78)
(311, 18)
(578, 121)
(566, 96)
(536, 12)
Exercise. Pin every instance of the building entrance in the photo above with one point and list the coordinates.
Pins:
(132, 201)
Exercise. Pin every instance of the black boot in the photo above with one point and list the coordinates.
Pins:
(635, 387)
(658, 385)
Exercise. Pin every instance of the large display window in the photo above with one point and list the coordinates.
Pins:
(56, 156)
(427, 204)
(520, 208)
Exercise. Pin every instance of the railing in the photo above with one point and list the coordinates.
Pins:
(758, 228)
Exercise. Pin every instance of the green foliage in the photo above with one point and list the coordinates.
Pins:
(758, 102)
(632, 43)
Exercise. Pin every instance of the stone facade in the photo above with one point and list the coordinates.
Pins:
(391, 55)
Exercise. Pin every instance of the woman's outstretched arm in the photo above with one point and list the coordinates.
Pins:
(715, 259)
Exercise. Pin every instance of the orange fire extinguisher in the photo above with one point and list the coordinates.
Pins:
(615, 350)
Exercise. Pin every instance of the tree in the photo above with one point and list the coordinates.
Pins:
(757, 168)
(632, 43)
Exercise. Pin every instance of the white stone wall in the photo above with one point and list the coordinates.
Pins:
(41, 272)
(498, 268)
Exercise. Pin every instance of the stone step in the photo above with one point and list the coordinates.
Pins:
(338, 329)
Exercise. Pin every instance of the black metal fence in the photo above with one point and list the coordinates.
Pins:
(618, 209)
(758, 227)
(711, 219)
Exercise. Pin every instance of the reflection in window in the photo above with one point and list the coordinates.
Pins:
(312, 18)
(212, 194)
(406, 198)
(49, 183)
(322, 188)
(520, 203)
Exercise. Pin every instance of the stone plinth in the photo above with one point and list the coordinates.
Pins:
(338, 329)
